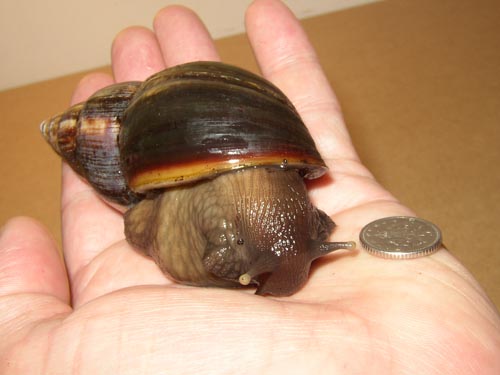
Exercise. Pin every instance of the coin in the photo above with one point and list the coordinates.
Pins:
(400, 237)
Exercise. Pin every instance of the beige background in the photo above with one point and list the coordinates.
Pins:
(419, 82)
(51, 38)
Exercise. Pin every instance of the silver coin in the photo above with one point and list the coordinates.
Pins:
(400, 237)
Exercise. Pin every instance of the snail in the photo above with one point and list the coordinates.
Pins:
(207, 161)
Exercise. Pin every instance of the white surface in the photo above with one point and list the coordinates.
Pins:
(47, 39)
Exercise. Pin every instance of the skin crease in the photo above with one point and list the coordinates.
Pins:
(357, 314)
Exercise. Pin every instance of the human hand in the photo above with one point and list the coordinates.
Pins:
(115, 312)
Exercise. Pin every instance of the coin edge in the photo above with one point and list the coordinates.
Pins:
(398, 254)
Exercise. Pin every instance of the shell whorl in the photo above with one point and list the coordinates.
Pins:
(198, 120)
(86, 137)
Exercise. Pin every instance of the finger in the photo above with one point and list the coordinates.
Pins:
(90, 226)
(183, 37)
(83, 212)
(30, 262)
(287, 58)
(96, 272)
(89, 84)
(136, 55)
(98, 258)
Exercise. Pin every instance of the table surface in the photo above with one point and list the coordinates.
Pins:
(419, 83)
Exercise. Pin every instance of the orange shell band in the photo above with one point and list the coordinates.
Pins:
(167, 176)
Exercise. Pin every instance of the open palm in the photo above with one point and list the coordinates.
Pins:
(114, 312)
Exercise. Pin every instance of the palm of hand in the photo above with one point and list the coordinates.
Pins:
(357, 313)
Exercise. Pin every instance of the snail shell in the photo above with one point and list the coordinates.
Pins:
(209, 160)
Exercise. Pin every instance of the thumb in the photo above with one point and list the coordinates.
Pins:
(30, 262)
(33, 289)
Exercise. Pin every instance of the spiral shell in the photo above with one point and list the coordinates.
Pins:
(190, 122)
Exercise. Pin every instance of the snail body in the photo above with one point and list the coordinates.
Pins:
(208, 161)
